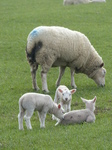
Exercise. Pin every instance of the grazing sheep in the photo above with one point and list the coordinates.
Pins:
(59, 46)
(63, 96)
(70, 2)
(80, 116)
(30, 102)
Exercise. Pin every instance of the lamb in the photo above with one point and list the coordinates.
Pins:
(40, 102)
(63, 96)
(80, 116)
(70, 2)
(58, 46)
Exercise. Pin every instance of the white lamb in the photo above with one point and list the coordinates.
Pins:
(63, 96)
(80, 116)
(58, 46)
(30, 102)
(70, 2)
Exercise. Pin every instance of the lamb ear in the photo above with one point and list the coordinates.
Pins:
(94, 99)
(60, 90)
(84, 100)
(102, 65)
(59, 106)
(73, 91)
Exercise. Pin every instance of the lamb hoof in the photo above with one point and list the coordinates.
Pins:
(56, 124)
(21, 129)
(42, 127)
(29, 128)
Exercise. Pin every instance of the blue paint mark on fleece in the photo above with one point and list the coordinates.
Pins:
(35, 32)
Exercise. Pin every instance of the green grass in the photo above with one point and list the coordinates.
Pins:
(17, 19)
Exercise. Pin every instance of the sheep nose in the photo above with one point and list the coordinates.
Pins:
(66, 99)
(102, 85)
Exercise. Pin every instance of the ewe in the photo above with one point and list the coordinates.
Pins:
(30, 102)
(58, 46)
(80, 116)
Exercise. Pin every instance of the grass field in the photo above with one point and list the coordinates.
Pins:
(17, 19)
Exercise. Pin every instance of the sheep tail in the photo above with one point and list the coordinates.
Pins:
(32, 55)
(21, 109)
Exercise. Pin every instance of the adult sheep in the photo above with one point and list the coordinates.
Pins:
(58, 46)
(70, 2)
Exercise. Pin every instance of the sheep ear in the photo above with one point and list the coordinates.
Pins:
(94, 99)
(60, 90)
(73, 91)
(84, 100)
(102, 65)
(59, 106)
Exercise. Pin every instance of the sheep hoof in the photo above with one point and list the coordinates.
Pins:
(56, 124)
(42, 127)
(21, 129)
(36, 89)
(45, 91)
(74, 86)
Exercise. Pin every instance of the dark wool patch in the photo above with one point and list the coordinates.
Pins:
(31, 56)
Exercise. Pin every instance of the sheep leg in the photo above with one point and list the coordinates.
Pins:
(56, 97)
(27, 117)
(42, 116)
(68, 106)
(44, 82)
(34, 68)
(64, 106)
(54, 118)
(20, 120)
(61, 72)
(58, 122)
(56, 101)
(72, 78)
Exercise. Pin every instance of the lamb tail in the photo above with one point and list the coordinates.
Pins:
(21, 109)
